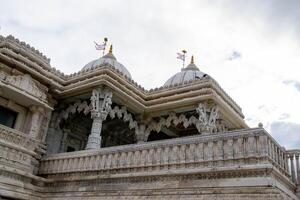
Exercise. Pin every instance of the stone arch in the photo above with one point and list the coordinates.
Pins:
(116, 111)
(122, 113)
(171, 119)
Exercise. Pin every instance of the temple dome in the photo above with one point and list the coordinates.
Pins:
(189, 73)
(108, 59)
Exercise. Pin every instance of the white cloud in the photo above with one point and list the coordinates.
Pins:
(146, 36)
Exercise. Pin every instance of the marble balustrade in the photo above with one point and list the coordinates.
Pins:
(294, 165)
(249, 146)
(243, 147)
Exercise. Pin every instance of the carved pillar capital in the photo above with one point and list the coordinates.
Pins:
(101, 102)
(208, 115)
(36, 109)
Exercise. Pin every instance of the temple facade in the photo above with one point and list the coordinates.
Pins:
(97, 134)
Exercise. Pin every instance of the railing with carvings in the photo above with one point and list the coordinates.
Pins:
(249, 146)
(18, 150)
(294, 165)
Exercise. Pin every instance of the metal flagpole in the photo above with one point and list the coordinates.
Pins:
(105, 41)
(184, 52)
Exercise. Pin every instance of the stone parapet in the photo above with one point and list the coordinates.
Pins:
(236, 148)
(18, 150)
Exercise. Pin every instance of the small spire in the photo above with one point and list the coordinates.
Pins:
(192, 60)
(110, 48)
(191, 66)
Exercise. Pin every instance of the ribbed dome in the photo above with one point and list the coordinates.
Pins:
(109, 59)
(191, 72)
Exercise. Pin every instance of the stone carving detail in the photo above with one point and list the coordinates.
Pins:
(76, 107)
(223, 150)
(17, 138)
(25, 83)
(207, 122)
(122, 113)
(140, 133)
(100, 107)
(83, 106)
(172, 118)
(208, 116)
(101, 103)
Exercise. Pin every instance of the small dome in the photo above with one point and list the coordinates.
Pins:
(109, 59)
(189, 73)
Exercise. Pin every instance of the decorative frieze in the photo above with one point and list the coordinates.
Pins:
(25, 83)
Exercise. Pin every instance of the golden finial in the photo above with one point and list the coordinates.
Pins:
(110, 48)
(192, 60)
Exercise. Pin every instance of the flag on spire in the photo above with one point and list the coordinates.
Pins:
(100, 46)
(181, 56)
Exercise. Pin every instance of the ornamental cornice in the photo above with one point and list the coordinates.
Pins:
(61, 86)
(27, 47)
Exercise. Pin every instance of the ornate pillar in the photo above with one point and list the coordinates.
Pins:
(140, 134)
(35, 120)
(291, 156)
(101, 105)
(298, 169)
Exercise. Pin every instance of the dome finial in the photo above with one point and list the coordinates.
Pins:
(110, 48)
(192, 60)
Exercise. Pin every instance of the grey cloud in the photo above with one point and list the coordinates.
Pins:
(296, 84)
(234, 55)
(277, 15)
(284, 116)
(287, 134)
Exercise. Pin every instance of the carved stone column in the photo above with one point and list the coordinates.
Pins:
(291, 156)
(35, 120)
(297, 168)
(140, 134)
(101, 105)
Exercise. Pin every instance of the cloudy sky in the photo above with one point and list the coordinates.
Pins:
(252, 48)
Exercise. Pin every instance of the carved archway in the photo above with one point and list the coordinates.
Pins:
(206, 119)
(82, 106)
